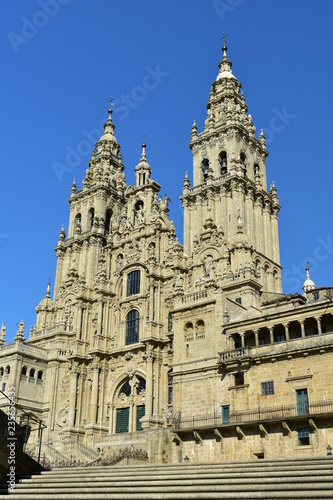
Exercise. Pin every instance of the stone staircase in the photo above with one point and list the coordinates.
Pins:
(264, 479)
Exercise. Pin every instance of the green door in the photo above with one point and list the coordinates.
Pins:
(122, 420)
(225, 414)
(140, 412)
(302, 401)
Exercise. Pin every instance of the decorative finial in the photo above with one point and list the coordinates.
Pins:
(224, 48)
(143, 155)
(48, 289)
(73, 190)
(111, 101)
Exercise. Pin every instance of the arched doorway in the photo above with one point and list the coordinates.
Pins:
(129, 405)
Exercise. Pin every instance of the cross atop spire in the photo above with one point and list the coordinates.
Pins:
(224, 38)
(111, 101)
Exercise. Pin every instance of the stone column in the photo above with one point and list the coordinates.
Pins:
(242, 336)
(151, 300)
(94, 395)
(302, 329)
(286, 331)
(319, 326)
(100, 317)
(131, 413)
(149, 384)
(101, 402)
(79, 323)
(256, 337)
(72, 397)
(271, 335)
(111, 412)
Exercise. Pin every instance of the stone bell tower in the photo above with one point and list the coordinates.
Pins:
(229, 184)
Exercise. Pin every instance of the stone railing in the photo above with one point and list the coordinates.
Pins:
(17, 346)
(241, 352)
(87, 451)
(192, 297)
(51, 457)
(128, 454)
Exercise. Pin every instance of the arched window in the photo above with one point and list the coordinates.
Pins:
(107, 225)
(133, 283)
(204, 168)
(32, 373)
(223, 162)
(91, 216)
(243, 158)
(1, 371)
(40, 376)
(141, 386)
(200, 329)
(7, 370)
(125, 389)
(24, 371)
(189, 331)
(132, 327)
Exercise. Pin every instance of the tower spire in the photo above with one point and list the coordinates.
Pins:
(225, 64)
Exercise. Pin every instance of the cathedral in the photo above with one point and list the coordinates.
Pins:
(186, 352)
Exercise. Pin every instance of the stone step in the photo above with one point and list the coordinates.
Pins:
(233, 464)
(211, 478)
(194, 469)
(166, 495)
(278, 483)
(279, 479)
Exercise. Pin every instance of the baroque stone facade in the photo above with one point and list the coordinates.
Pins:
(187, 352)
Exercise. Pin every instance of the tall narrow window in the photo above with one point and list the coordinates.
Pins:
(223, 162)
(133, 283)
(108, 216)
(132, 327)
(170, 389)
(169, 322)
(243, 159)
(91, 216)
(205, 167)
(225, 414)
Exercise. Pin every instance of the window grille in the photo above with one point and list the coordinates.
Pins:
(303, 436)
(132, 327)
(267, 388)
(133, 283)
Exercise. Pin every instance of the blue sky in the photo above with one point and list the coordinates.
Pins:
(63, 59)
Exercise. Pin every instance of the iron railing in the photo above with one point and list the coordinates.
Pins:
(27, 420)
(253, 415)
